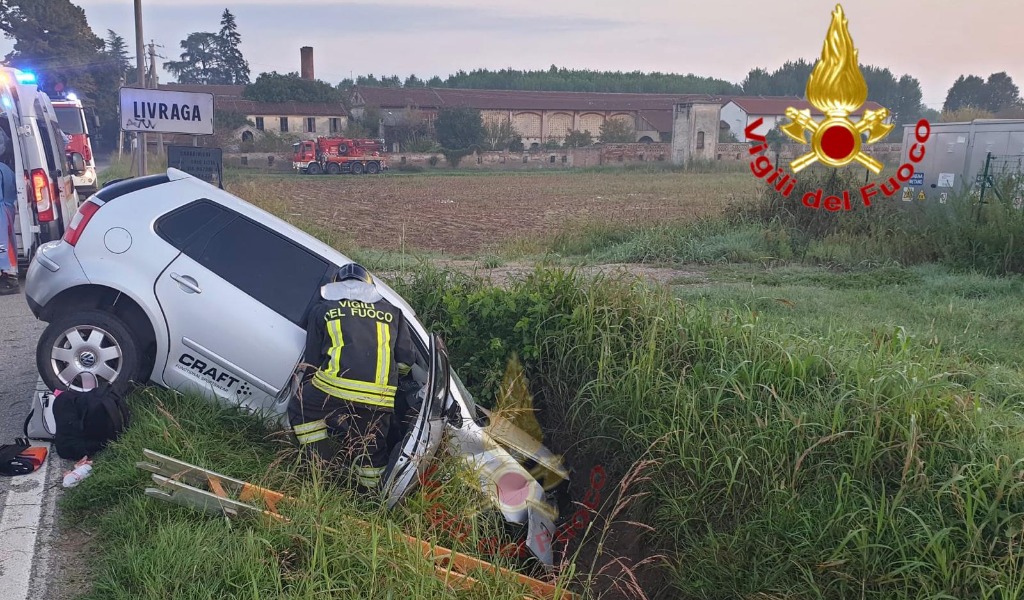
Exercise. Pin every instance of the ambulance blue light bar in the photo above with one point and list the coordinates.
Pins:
(26, 77)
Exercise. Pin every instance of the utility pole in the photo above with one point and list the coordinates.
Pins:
(120, 133)
(154, 84)
(140, 65)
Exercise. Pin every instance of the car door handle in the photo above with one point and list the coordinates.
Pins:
(187, 283)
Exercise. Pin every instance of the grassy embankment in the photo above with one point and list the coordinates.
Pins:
(836, 415)
(149, 549)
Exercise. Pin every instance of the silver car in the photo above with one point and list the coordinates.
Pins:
(170, 280)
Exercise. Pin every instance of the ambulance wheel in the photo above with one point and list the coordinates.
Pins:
(333, 169)
(357, 168)
(313, 169)
(81, 347)
(373, 168)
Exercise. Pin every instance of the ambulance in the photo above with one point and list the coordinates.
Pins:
(43, 166)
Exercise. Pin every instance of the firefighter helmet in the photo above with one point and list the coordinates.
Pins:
(353, 271)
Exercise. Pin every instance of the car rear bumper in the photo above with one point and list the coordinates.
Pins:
(34, 306)
(53, 269)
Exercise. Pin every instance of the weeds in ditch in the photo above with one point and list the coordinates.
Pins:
(796, 466)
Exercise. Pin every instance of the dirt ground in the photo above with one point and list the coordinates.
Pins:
(463, 215)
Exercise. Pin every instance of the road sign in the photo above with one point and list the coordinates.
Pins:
(162, 111)
(920, 195)
(946, 180)
(943, 197)
(916, 179)
(204, 163)
(908, 194)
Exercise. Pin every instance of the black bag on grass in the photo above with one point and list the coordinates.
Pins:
(87, 421)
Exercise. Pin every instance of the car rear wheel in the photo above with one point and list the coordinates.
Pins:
(78, 350)
(333, 169)
(373, 168)
(357, 168)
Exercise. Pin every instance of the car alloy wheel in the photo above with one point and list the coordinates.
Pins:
(85, 355)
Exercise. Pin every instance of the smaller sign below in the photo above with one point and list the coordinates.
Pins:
(916, 179)
(920, 195)
(946, 180)
(961, 139)
(203, 163)
(908, 194)
(943, 197)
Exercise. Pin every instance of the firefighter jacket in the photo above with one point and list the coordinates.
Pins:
(359, 349)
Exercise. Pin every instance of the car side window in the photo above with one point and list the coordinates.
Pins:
(268, 267)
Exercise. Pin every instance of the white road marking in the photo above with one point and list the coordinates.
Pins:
(19, 528)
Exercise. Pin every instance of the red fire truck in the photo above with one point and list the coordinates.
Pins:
(339, 155)
(71, 118)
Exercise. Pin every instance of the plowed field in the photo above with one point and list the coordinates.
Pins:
(472, 214)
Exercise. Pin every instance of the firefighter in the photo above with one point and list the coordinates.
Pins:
(358, 348)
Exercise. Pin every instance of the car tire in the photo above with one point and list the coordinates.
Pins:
(333, 169)
(69, 348)
(357, 168)
(313, 169)
(373, 168)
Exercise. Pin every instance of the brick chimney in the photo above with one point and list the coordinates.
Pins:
(307, 62)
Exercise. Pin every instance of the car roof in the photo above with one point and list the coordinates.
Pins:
(211, 192)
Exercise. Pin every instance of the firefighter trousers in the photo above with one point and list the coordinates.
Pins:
(351, 438)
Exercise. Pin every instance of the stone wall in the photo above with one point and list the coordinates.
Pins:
(887, 153)
(604, 154)
(565, 158)
(259, 160)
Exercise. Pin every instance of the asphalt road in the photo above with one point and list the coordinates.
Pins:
(19, 331)
(28, 525)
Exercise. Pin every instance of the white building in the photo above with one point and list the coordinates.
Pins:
(740, 112)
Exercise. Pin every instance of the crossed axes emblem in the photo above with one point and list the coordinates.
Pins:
(872, 123)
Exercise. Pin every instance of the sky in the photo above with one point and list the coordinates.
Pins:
(933, 40)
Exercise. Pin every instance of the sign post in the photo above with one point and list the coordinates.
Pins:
(140, 66)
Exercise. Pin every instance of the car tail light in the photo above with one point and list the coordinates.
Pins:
(82, 217)
(43, 195)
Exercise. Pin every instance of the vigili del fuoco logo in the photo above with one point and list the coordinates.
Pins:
(836, 88)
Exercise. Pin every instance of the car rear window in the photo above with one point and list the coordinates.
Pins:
(187, 222)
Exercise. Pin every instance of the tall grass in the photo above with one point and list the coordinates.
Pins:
(963, 234)
(787, 466)
(149, 549)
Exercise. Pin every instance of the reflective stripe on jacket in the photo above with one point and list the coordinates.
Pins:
(360, 349)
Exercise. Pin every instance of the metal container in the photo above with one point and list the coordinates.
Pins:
(955, 155)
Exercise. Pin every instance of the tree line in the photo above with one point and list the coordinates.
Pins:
(557, 79)
(53, 38)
